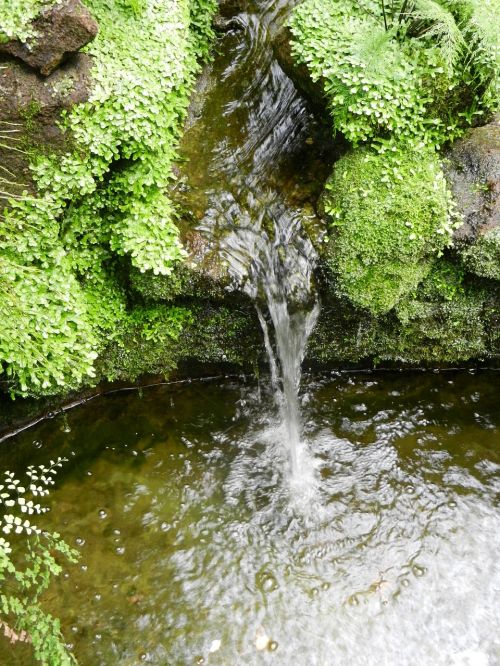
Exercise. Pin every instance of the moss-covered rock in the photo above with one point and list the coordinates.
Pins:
(483, 256)
(210, 333)
(59, 30)
(472, 167)
(389, 219)
(450, 318)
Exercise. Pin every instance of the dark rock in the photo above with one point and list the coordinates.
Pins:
(472, 168)
(61, 30)
(30, 110)
(204, 255)
(229, 8)
(313, 91)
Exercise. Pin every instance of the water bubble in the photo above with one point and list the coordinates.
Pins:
(405, 582)
(84, 567)
(80, 541)
(418, 571)
(325, 586)
(97, 597)
(98, 637)
(89, 473)
(164, 526)
(215, 645)
(117, 532)
(120, 550)
(74, 629)
(200, 660)
(37, 444)
(103, 514)
(266, 581)
(273, 646)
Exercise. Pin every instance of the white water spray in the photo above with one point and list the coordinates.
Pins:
(276, 269)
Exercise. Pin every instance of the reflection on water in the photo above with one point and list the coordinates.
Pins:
(195, 548)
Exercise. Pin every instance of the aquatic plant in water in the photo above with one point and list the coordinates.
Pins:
(28, 561)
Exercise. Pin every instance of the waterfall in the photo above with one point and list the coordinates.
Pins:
(253, 124)
(277, 269)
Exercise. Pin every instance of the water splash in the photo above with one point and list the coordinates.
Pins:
(275, 267)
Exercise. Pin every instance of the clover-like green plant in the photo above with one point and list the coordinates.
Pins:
(103, 203)
(28, 561)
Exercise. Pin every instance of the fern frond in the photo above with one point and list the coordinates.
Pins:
(435, 22)
(483, 49)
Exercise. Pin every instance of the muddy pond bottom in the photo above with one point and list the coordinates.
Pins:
(196, 548)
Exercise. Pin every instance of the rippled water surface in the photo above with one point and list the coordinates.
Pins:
(190, 533)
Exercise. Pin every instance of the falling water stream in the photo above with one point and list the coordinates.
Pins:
(260, 121)
(280, 271)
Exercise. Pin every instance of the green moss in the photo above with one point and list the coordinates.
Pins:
(449, 319)
(445, 320)
(184, 281)
(483, 257)
(390, 217)
(104, 198)
(208, 334)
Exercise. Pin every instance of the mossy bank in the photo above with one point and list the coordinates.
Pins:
(101, 273)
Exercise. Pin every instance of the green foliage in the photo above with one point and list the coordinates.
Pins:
(106, 199)
(45, 339)
(16, 16)
(156, 338)
(382, 68)
(402, 79)
(483, 257)
(482, 62)
(371, 83)
(158, 324)
(28, 562)
(390, 217)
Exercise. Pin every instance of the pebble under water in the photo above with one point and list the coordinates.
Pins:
(196, 549)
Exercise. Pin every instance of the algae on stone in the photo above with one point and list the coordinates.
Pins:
(389, 219)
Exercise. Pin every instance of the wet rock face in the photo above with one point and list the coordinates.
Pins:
(62, 30)
(31, 106)
(473, 172)
(312, 90)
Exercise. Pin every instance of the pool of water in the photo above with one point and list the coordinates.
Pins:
(197, 548)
